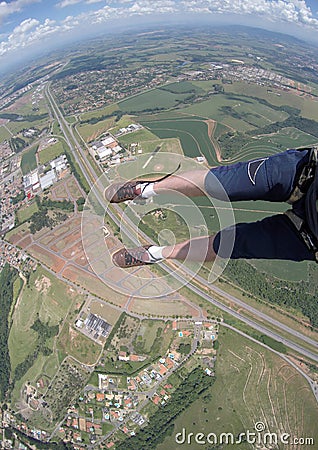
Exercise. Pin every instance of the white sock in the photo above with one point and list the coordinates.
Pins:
(147, 190)
(155, 252)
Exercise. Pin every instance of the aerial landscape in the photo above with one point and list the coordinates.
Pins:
(154, 357)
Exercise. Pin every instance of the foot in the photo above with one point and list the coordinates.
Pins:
(121, 192)
(134, 257)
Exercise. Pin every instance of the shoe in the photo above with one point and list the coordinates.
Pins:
(134, 257)
(121, 192)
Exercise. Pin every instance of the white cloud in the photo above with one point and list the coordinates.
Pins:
(30, 31)
(90, 2)
(25, 26)
(65, 3)
(8, 8)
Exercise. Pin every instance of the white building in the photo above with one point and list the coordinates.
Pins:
(103, 153)
(48, 179)
(59, 163)
(31, 181)
(109, 140)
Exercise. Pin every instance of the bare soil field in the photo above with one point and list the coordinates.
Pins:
(93, 284)
(66, 241)
(107, 312)
(54, 262)
(25, 242)
(162, 307)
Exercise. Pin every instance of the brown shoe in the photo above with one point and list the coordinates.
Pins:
(134, 257)
(121, 192)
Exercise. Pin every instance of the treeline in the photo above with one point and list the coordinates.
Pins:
(162, 422)
(66, 205)
(93, 120)
(44, 332)
(275, 345)
(26, 118)
(308, 126)
(18, 198)
(299, 296)
(7, 277)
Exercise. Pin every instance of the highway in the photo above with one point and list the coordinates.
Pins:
(92, 177)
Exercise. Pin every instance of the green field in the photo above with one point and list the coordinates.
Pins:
(5, 135)
(72, 342)
(284, 138)
(28, 162)
(307, 106)
(250, 113)
(46, 297)
(193, 135)
(90, 132)
(182, 87)
(252, 385)
(26, 212)
(150, 100)
(143, 135)
(51, 152)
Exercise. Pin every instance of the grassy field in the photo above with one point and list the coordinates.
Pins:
(5, 135)
(143, 135)
(252, 385)
(28, 162)
(284, 138)
(307, 106)
(193, 135)
(51, 152)
(155, 98)
(285, 270)
(26, 212)
(74, 343)
(91, 132)
(45, 296)
(147, 334)
(251, 112)
(99, 112)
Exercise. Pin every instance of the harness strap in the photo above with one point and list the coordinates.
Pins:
(305, 234)
(306, 176)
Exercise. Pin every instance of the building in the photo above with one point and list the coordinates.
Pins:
(103, 153)
(31, 181)
(97, 326)
(48, 179)
(59, 164)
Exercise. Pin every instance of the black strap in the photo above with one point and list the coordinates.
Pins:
(304, 233)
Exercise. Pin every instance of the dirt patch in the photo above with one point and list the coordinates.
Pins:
(15, 238)
(211, 127)
(81, 260)
(25, 242)
(66, 241)
(93, 284)
(54, 262)
(43, 284)
(73, 251)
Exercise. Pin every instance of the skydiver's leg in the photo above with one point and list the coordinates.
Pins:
(271, 238)
(191, 184)
(271, 178)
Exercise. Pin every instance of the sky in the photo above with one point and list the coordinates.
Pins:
(27, 26)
